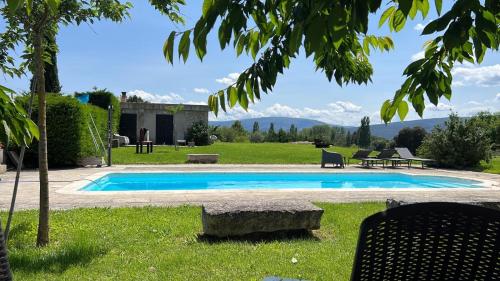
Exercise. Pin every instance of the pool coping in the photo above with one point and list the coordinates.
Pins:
(74, 188)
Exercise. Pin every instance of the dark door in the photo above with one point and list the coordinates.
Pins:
(128, 126)
(164, 129)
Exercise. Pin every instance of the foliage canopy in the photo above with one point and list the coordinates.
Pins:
(335, 34)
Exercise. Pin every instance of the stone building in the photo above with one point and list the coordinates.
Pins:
(158, 120)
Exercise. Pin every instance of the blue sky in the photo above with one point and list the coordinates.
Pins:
(128, 57)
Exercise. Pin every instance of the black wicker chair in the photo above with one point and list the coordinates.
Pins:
(429, 241)
(5, 274)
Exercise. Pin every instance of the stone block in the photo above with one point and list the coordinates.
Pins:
(225, 219)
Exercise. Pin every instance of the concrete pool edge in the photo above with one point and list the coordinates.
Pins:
(75, 187)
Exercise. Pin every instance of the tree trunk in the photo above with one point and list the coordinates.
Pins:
(43, 167)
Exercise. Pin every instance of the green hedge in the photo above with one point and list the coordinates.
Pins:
(68, 134)
(103, 98)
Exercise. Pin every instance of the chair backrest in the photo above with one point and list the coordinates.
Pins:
(5, 274)
(362, 153)
(404, 152)
(429, 241)
(386, 153)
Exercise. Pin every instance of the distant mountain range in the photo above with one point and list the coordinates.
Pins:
(380, 130)
(279, 123)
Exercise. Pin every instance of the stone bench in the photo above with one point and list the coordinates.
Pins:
(392, 203)
(225, 219)
(202, 158)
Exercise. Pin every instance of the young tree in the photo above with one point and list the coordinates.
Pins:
(335, 34)
(271, 134)
(33, 22)
(256, 127)
(364, 135)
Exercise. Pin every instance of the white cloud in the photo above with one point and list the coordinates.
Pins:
(154, 98)
(229, 79)
(440, 107)
(482, 76)
(195, 102)
(417, 56)
(201, 90)
(419, 27)
(338, 113)
(345, 106)
(497, 97)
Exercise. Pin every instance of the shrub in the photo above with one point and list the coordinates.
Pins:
(198, 132)
(226, 134)
(68, 134)
(410, 138)
(256, 137)
(462, 143)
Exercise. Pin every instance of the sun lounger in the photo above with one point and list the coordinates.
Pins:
(404, 153)
(359, 155)
(381, 158)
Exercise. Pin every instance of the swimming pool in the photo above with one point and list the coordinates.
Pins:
(288, 180)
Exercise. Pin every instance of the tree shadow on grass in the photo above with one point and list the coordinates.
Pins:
(262, 237)
(77, 253)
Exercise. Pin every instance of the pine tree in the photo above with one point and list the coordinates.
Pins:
(271, 134)
(364, 135)
(282, 136)
(292, 134)
(256, 127)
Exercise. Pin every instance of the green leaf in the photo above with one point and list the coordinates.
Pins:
(168, 48)
(14, 4)
(232, 95)
(295, 39)
(399, 20)
(243, 98)
(386, 15)
(184, 45)
(222, 101)
(207, 5)
(29, 6)
(53, 4)
(402, 110)
(439, 6)
(384, 110)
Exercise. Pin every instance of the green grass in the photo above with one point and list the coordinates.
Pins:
(155, 243)
(231, 153)
(492, 168)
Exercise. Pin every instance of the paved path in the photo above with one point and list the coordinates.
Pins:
(28, 191)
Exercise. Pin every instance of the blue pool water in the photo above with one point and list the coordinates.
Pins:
(207, 181)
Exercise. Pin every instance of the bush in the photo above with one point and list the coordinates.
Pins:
(68, 135)
(256, 137)
(463, 143)
(226, 134)
(198, 132)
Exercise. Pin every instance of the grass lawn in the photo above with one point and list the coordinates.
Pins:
(493, 167)
(231, 153)
(155, 243)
